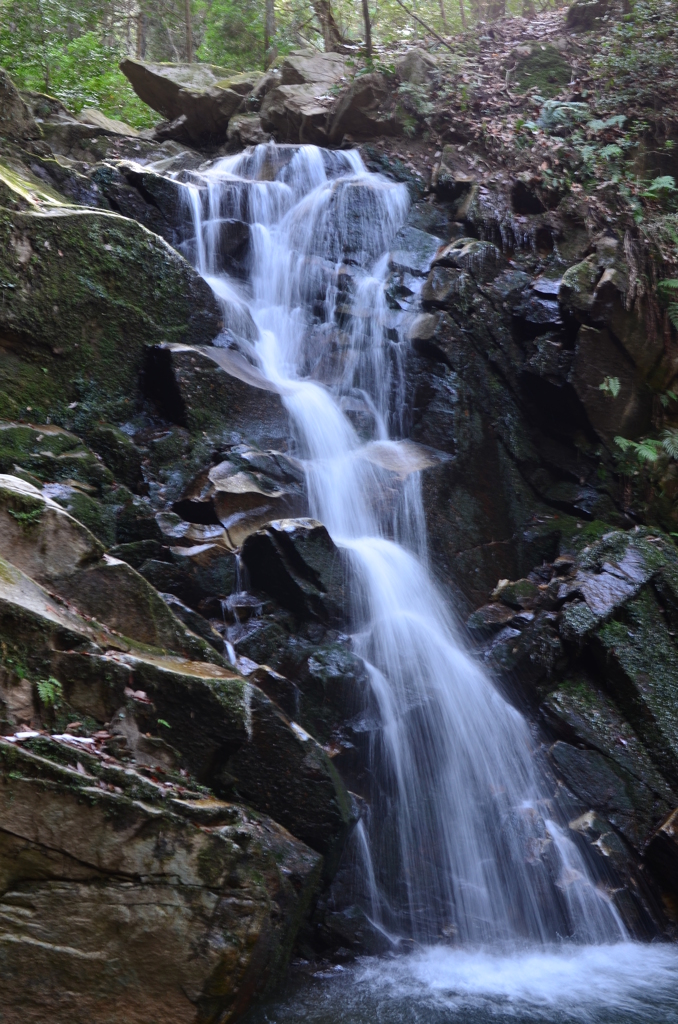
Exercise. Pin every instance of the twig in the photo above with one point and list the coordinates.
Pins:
(427, 27)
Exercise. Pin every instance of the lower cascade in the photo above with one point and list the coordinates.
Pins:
(463, 841)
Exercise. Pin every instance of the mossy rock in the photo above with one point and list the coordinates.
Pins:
(50, 454)
(544, 68)
(85, 292)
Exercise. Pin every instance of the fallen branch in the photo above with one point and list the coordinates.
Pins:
(427, 27)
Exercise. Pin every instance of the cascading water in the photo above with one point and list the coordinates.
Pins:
(462, 844)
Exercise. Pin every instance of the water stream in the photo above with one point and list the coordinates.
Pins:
(463, 852)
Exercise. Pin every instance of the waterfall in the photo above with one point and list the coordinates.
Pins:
(462, 843)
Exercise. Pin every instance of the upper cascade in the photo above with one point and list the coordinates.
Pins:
(463, 839)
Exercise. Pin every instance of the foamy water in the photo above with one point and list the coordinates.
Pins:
(624, 983)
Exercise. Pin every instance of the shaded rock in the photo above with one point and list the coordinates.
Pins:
(596, 357)
(641, 662)
(636, 897)
(620, 797)
(55, 550)
(202, 94)
(417, 66)
(50, 453)
(246, 130)
(102, 891)
(88, 291)
(662, 853)
(293, 113)
(296, 562)
(196, 574)
(206, 387)
(16, 121)
(358, 111)
(585, 15)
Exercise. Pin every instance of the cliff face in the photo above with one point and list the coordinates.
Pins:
(194, 809)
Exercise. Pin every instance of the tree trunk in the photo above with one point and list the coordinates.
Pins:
(141, 36)
(443, 15)
(332, 37)
(462, 11)
(368, 29)
(269, 33)
(189, 33)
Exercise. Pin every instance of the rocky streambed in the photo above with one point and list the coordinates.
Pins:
(185, 726)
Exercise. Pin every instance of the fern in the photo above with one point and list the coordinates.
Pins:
(645, 451)
(50, 691)
(610, 386)
(670, 443)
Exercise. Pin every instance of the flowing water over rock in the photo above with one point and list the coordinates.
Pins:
(462, 843)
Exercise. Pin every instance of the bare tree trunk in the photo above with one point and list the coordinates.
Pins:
(269, 33)
(443, 15)
(368, 29)
(462, 11)
(332, 37)
(141, 36)
(189, 33)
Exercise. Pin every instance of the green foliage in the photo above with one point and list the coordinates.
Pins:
(649, 449)
(26, 519)
(233, 33)
(611, 386)
(54, 47)
(668, 287)
(50, 692)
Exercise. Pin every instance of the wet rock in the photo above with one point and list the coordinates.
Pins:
(208, 387)
(619, 796)
(662, 853)
(245, 491)
(202, 94)
(197, 574)
(93, 889)
(582, 714)
(296, 562)
(636, 897)
(641, 660)
(521, 594)
(414, 250)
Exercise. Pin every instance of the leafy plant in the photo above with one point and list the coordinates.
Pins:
(50, 692)
(610, 386)
(649, 449)
(668, 287)
(26, 519)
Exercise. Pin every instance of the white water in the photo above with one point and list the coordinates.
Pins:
(461, 844)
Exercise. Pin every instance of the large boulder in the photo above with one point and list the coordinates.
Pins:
(297, 109)
(119, 904)
(358, 111)
(204, 96)
(85, 293)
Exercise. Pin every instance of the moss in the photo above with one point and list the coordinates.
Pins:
(641, 659)
(85, 292)
(50, 453)
(545, 68)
